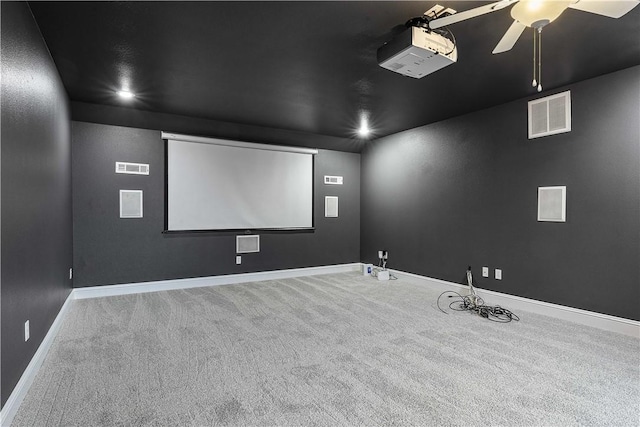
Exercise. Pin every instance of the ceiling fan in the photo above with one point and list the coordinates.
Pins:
(535, 14)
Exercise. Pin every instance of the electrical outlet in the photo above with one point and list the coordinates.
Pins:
(238, 260)
(385, 255)
(498, 274)
(26, 331)
(70, 273)
(485, 271)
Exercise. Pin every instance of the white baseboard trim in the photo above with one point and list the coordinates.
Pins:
(196, 282)
(12, 404)
(584, 317)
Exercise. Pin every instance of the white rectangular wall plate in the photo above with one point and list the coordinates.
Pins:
(26, 331)
(238, 259)
(333, 180)
(331, 206)
(132, 168)
(498, 274)
(130, 203)
(247, 244)
(552, 204)
(485, 271)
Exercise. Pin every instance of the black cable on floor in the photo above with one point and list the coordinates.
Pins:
(465, 303)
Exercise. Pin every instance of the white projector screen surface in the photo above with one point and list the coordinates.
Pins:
(223, 187)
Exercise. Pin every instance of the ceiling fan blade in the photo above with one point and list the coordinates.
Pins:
(510, 37)
(467, 14)
(612, 9)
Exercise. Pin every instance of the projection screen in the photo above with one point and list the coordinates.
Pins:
(215, 184)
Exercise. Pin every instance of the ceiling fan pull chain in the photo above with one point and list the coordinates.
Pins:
(534, 82)
(540, 59)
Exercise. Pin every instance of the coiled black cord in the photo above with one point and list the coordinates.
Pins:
(466, 303)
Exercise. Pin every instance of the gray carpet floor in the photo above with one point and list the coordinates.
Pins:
(327, 350)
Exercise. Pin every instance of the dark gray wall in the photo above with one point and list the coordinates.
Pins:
(464, 192)
(109, 250)
(36, 191)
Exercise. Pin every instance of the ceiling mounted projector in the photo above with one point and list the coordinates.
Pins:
(419, 50)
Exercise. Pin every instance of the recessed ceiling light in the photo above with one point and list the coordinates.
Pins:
(364, 130)
(125, 94)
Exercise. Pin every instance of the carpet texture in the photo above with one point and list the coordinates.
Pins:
(327, 350)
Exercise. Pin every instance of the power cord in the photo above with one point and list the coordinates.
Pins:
(467, 303)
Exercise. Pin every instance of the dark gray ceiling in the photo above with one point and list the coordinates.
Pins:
(311, 66)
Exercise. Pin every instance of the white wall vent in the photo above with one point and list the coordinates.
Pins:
(550, 115)
(130, 203)
(334, 180)
(247, 244)
(552, 204)
(331, 206)
(132, 168)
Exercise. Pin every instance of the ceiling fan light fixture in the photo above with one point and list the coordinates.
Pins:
(538, 13)
(534, 5)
